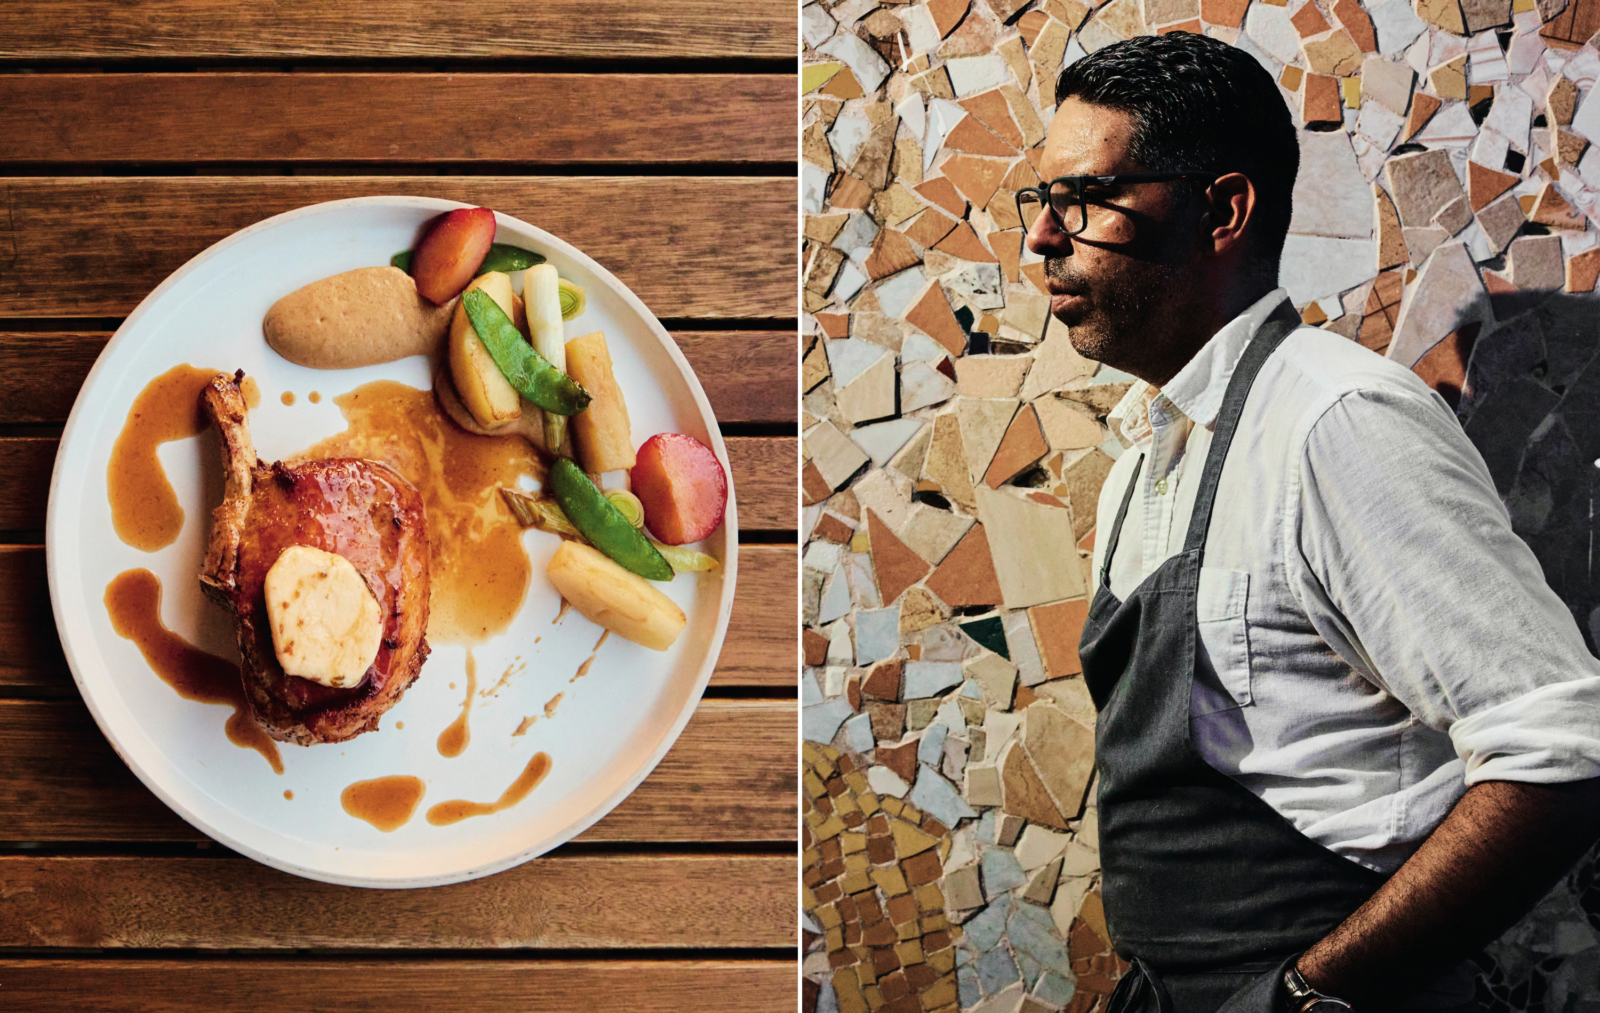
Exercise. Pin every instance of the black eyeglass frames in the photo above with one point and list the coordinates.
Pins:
(1066, 196)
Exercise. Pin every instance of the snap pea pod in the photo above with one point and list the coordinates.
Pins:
(603, 524)
(506, 259)
(528, 372)
(501, 257)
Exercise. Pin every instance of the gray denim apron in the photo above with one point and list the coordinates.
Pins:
(1207, 889)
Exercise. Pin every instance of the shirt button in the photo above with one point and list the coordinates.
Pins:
(1161, 487)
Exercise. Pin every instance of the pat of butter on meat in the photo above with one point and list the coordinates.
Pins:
(326, 625)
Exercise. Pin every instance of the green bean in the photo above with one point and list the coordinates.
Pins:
(529, 373)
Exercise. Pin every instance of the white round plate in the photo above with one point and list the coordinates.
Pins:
(609, 730)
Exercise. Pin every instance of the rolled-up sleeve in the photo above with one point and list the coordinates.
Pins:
(1440, 602)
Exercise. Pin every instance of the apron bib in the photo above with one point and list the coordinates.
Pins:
(1207, 889)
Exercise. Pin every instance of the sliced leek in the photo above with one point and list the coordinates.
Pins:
(541, 292)
(573, 300)
(628, 505)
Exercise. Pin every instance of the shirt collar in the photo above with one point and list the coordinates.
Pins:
(1198, 388)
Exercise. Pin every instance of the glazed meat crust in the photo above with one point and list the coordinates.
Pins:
(358, 509)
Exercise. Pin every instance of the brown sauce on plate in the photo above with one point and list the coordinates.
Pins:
(251, 391)
(144, 508)
(453, 740)
(133, 599)
(288, 794)
(287, 397)
(478, 568)
(386, 802)
(583, 669)
(456, 810)
(315, 397)
(527, 723)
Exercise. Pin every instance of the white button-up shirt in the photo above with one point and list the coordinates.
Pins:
(1381, 638)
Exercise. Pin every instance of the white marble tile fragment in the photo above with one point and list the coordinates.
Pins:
(858, 733)
(816, 25)
(913, 114)
(848, 358)
(849, 281)
(883, 439)
(972, 74)
(1332, 198)
(1270, 28)
(895, 294)
(885, 782)
(863, 61)
(1315, 266)
(918, 347)
(922, 385)
(1387, 82)
(1510, 115)
(1397, 25)
(1446, 294)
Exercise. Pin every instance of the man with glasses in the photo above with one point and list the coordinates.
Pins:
(1347, 734)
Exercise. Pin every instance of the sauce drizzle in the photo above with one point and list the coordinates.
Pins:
(144, 508)
(453, 740)
(287, 397)
(562, 614)
(456, 810)
(385, 802)
(583, 669)
(133, 599)
(527, 723)
(251, 391)
(314, 397)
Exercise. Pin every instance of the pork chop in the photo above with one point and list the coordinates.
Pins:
(357, 509)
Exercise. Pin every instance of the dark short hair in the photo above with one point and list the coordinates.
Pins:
(1203, 105)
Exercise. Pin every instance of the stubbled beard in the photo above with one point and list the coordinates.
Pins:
(1116, 326)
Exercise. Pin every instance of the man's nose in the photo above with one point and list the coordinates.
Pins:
(1045, 236)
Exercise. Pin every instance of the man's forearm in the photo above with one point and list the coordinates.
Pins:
(1498, 852)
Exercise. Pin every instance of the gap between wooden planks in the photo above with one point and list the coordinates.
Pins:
(764, 481)
(284, 29)
(433, 986)
(556, 901)
(749, 376)
(729, 777)
(543, 119)
(760, 648)
(687, 246)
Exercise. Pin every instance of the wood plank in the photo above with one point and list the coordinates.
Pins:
(396, 29)
(749, 376)
(546, 119)
(378, 986)
(729, 777)
(556, 902)
(759, 649)
(766, 481)
(764, 477)
(25, 463)
(687, 246)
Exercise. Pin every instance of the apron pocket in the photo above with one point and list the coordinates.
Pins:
(1224, 637)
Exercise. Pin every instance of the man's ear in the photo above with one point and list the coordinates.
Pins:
(1232, 202)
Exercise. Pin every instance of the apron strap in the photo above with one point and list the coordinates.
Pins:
(1116, 528)
(1271, 334)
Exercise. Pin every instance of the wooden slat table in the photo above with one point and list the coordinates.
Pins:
(657, 137)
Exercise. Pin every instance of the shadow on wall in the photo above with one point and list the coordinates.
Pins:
(1522, 372)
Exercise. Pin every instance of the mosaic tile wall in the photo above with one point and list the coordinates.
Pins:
(955, 442)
